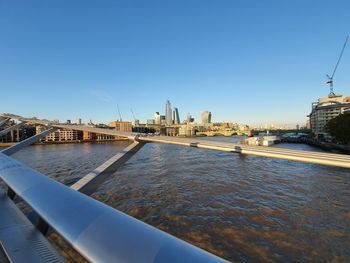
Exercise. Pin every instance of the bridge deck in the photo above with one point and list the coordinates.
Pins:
(20, 239)
(332, 159)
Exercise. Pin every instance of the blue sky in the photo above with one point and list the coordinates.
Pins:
(245, 61)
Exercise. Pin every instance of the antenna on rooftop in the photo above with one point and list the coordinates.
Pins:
(330, 78)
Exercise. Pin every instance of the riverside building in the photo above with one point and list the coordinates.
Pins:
(123, 126)
(326, 109)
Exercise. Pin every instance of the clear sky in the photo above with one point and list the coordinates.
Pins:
(245, 61)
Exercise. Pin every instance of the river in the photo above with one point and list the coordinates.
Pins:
(241, 208)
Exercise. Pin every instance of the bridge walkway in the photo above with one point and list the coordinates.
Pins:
(20, 240)
(332, 159)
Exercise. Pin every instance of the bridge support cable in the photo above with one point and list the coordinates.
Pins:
(98, 232)
(90, 182)
(20, 145)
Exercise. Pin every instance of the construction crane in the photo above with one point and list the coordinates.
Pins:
(136, 122)
(330, 78)
(133, 115)
(120, 116)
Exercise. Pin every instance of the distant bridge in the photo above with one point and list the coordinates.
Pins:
(97, 231)
(217, 133)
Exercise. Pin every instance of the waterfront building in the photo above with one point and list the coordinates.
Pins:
(162, 120)
(157, 118)
(324, 110)
(176, 117)
(124, 126)
(150, 122)
(187, 130)
(189, 118)
(59, 135)
(17, 135)
(168, 117)
(206, 117)
(88, 136)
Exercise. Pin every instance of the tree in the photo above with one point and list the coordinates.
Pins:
(339, 128)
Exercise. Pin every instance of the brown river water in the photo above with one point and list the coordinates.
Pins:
(241, 208)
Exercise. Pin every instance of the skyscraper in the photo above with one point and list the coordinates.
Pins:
(157, 118)
(206, 117)
(168, 116)
(176, 117)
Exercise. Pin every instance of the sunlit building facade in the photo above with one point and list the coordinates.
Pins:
(206, 117)
(124, 126)
(326, 109)
(157, 118)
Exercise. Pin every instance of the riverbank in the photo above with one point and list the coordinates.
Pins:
(8, 144)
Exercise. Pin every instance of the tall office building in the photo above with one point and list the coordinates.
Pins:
(79, 121)
(189, 118)
(168, 117)
(206, 117)
(157, 118)
(176, 117)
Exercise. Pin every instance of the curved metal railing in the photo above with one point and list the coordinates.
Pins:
(97, 231)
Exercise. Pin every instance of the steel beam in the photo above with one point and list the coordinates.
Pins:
(90, 182)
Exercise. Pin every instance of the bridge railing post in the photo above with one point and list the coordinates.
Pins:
(42, 225)
(10, 193)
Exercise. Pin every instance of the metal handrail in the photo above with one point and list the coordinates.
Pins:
(97, 231)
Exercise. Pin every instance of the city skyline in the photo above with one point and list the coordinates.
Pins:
(233, 59)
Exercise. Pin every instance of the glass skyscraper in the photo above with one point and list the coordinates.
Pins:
(206, 117)
(176, 117)
(168, 117)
